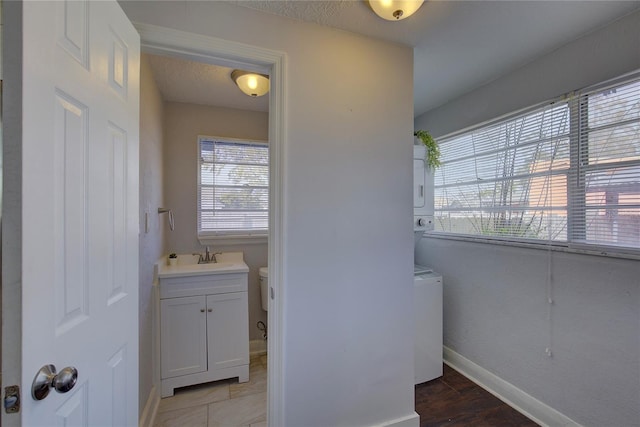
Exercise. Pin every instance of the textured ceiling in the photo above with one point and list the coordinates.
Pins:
(321, 12)
(197, 83)
(461, 45)
(458, 45)
(351, 15)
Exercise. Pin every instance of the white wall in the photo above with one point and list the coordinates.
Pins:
(495, 314)
(495, 301)
(601, 55)
(347, 291)
(183, 123)
(151, 243)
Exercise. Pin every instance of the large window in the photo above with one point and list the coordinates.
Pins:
(233, 187)
(566, 172)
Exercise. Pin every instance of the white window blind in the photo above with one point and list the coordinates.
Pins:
(233, 187)
(565, 172)
(606, 202)
(507, 179)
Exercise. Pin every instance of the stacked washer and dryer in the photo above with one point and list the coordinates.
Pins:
(427, 283)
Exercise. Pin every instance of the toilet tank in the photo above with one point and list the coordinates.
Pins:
(264, 287)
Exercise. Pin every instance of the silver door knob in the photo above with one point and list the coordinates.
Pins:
(47, 378)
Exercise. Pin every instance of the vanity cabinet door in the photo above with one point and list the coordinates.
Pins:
(228, 330)
(183, 336)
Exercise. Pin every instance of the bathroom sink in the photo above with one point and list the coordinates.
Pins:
(188, 259)
(229, 262)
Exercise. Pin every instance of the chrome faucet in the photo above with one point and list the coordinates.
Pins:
(200, 257)
(208, 256)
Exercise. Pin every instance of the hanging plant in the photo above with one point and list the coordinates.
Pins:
(433, 152)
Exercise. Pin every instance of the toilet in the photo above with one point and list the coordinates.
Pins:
(264, 287)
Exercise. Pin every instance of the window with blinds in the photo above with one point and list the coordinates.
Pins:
(606, 203)
(565, 172)
(233, 187)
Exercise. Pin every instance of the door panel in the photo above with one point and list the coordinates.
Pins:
(118, 58)
(228, 330)
(80, 210)
(118, 365)
(117, 146)
(68, 186)
(74, 412)
(72, 30)
(183, 336)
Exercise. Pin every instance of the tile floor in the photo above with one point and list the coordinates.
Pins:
(221, 403)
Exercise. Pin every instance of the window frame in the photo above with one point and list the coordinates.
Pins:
(230, 237)
(576, 102)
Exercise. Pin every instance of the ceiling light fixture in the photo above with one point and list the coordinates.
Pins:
(395, 10)
(253, 84)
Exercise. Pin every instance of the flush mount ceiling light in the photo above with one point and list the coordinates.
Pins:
(253, 84)
(395, 10)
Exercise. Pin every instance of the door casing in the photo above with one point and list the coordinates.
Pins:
(194, 47)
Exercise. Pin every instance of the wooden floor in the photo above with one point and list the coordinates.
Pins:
(453, 400)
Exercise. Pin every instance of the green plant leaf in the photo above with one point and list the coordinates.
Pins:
(432, 156)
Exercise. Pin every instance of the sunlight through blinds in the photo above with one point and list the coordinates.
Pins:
(607, 200)
(565, 172)
(507, 179)
(233, 187)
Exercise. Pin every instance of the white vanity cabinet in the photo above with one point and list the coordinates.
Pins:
(204, 329)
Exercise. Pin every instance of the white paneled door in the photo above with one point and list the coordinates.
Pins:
(80, 210)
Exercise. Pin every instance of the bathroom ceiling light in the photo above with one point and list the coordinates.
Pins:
(395, 10)
(253, 84)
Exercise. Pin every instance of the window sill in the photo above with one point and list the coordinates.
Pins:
(605, 251)
(233, 240)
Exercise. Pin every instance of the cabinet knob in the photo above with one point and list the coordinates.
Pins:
(210, 310)
(202, 310)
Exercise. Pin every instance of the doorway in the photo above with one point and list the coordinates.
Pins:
(187, 46)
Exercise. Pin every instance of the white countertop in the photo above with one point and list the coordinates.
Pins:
(228, 262)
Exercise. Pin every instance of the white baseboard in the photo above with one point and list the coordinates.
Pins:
(148, 417)
(257, 347)
(507, 392)
(412, 420)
